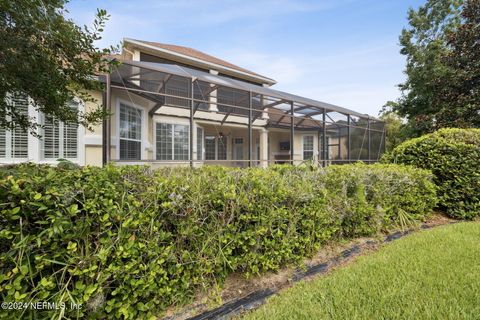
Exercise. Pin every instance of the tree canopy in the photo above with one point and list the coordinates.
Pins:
(47, 57)
(441, 45)
(459, 90)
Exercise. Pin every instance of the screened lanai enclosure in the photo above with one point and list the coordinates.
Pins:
(230, 122)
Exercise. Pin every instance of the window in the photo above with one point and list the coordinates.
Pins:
(210, 149)
(199, 143)
(222, 148)
(14, 143)
(307, 147)
(164, 141)
(172, 141)
(180, 142)
(215, 148)
(60, 139)
(201, 92)
(130, 133)
(238, 148)
(179, 87)
(226, 97)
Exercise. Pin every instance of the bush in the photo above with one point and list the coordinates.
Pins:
(453, 155)
(371, 197)
(130, 242)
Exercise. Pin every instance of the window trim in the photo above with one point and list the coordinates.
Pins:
(9, 139)
(216, 147)
(234, 150)
(173, 123)
(8, 149)
(61, 141)
(34, 144)
(205, 146)
(143, 129)
(303, 146)
(80, 160)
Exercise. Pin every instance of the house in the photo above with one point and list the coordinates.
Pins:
(174, 105)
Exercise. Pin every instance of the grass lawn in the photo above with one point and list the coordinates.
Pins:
(432, 274)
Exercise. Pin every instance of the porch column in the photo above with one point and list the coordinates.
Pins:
(213, 96)
(265, 111)
(263, 148)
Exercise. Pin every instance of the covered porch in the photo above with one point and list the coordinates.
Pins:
(215, 120)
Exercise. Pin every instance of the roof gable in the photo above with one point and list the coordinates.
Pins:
(198, 55)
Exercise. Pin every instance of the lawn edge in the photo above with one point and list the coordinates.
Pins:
(257, 298)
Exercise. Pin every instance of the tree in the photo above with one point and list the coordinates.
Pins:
(50, 59)
(396, 130)
(424, 44)
(459, 90)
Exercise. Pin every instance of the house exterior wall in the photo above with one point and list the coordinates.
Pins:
(276, 136)
(93, 138)
(266, 142)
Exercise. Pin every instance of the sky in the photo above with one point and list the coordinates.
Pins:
(344, 52)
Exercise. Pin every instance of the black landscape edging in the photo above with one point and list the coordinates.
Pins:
(257, 298)
(251, 301)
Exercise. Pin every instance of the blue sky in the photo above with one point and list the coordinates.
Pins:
(343, 52)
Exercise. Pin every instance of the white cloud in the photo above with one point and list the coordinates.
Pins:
(362, 78)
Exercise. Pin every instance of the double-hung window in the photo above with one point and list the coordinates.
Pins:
(130, 133)
(307, 147)
(172, 141)
(59, 139)
(14, 143)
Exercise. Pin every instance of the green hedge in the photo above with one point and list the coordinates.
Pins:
(453, 155)
(129, 242)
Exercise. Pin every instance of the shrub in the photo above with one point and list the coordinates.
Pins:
(453, 155)
(372, 197)
(128, 242)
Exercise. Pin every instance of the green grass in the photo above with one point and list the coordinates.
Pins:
(433, 274)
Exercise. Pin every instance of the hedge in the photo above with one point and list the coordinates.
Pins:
(128, 242)
(453, 155)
